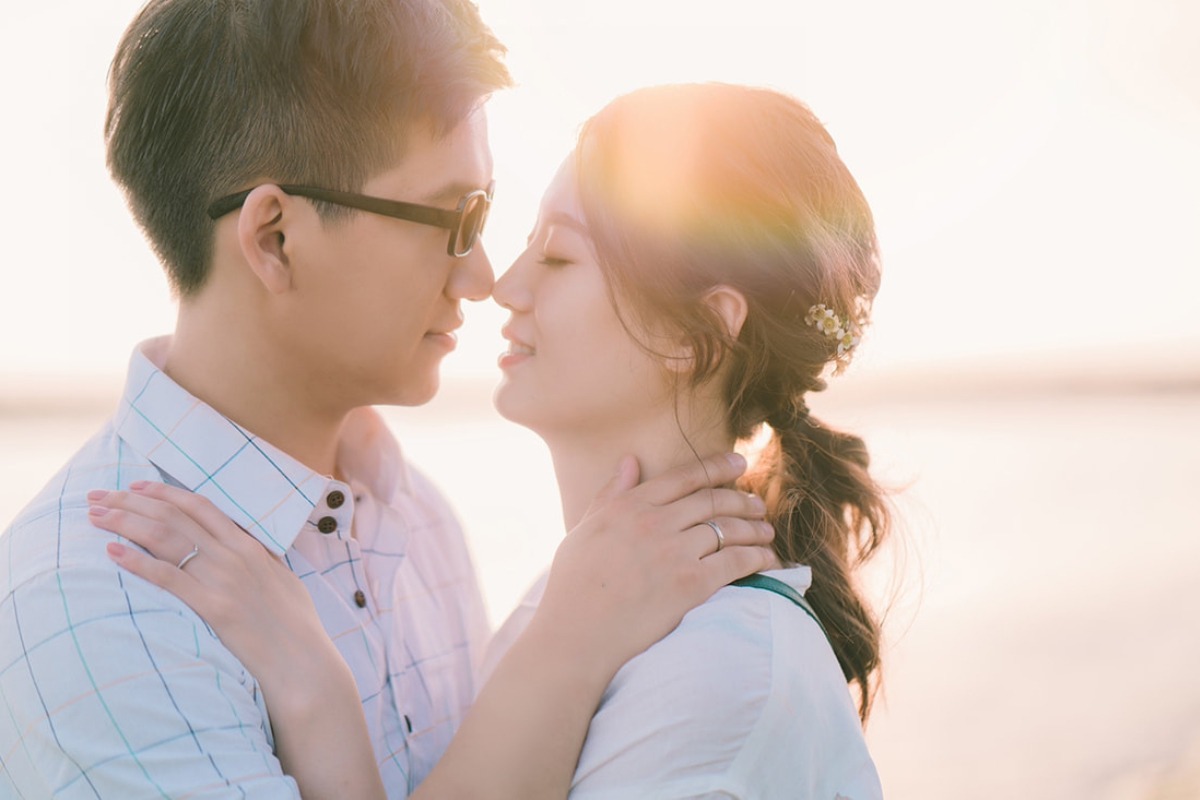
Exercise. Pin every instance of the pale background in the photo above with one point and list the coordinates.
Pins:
(1032, 381)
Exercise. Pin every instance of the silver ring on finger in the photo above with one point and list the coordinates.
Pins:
(720, 536)
(183, 561)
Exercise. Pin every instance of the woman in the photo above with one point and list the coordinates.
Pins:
(699, 263)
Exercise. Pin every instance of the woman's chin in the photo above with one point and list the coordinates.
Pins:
(507, 401)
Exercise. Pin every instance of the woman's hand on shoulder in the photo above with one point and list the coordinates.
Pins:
(251, 599)
(261, 611)
(644, 555)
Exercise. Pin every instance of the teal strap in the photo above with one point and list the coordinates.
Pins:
(760, 581)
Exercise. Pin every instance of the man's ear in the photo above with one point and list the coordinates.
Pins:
(731, 307)
(260, 231)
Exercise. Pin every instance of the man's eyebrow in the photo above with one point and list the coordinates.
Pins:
(450, 194)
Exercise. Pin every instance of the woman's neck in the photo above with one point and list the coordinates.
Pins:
(585, 461)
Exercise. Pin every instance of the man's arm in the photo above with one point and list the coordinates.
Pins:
(111, 687)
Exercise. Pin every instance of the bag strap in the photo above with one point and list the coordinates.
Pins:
(760, 581)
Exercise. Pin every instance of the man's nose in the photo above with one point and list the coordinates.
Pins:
(472, 277)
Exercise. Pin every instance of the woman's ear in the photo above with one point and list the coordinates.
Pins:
(260, 232)
(730, 305)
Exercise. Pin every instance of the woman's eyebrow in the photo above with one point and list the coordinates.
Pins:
(561, 218)
(567, 221)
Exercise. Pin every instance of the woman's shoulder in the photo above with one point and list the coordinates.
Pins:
(766, 639)
(748, 687)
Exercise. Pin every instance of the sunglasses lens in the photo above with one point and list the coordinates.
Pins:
(473, 216)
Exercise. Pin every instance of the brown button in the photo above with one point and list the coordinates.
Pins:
(360, 599)
(335, 499)
(327, 525)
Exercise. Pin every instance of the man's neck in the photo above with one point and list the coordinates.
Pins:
(216, 360)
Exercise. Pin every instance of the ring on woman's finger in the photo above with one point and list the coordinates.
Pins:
(183, 561)
(720, 536)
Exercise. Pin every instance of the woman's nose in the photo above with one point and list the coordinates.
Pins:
(512, 288)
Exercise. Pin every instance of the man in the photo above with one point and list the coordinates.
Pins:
(313, 175)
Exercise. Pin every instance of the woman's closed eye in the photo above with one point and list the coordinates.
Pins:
(549, 260)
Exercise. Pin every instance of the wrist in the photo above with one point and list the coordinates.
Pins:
(300, 688)
(569, 653)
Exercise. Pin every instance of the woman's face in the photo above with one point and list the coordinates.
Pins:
(570, 365)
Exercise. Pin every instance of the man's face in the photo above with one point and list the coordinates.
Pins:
(376, 299)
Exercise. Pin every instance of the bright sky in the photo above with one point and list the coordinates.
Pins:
(1033, 165)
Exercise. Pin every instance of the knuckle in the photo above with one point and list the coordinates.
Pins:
(174, 515)
(200, 502)
(156, 572)
(220, 608)
(690, 578)
(157, 534)
(651, 521)
(246, 546)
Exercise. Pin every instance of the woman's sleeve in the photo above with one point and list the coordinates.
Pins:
(743, 700)
(676, 720)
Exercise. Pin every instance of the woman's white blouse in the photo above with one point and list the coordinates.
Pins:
(744, 699)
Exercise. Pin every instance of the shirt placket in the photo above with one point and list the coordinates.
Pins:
(383, 536)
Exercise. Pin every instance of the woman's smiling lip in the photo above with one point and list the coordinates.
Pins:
(517, 351)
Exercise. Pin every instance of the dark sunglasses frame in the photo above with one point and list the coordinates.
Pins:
(412, 212)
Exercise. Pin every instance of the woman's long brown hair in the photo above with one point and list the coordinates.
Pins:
(688, 187)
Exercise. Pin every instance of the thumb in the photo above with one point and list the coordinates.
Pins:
(625, 478)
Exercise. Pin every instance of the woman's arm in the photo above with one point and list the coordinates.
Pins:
(617, 585)
(622, 579)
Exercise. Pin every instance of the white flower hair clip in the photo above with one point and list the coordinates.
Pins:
(845, 332)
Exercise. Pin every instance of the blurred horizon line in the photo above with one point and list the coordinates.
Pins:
(1115, 371)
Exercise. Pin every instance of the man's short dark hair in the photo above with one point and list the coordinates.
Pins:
(208, 96)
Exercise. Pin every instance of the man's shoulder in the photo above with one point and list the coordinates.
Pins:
(422, 493)
(52, 531)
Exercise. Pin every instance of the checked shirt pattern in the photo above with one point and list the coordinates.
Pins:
(113, 688)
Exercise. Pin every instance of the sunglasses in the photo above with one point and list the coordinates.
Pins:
(465, 222)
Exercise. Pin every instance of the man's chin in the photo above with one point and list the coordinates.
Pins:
(413, 393)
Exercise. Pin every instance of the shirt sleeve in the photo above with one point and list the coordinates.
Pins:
(675, 719)
(111, 687)
(743, 701)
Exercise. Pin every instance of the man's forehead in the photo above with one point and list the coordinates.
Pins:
(437, 168)
(443, 168)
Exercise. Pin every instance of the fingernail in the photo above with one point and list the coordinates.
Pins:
(97, 494)
(766, 526)
(116, 549)
(137, 486)
(757, 504)
(97, 511)
(737, 460)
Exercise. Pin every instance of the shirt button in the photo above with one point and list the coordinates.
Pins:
(327, 525)
(335, 499)
(360, 599)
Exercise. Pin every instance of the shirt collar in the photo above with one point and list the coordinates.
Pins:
(799, 577)
(266, 491)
